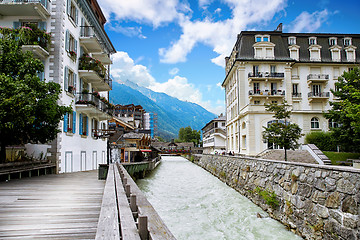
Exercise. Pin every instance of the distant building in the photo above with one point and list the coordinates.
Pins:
(173, 147)
(132, 114)
(150, 123)
(214, 135)
(272, 66)
(77, 58)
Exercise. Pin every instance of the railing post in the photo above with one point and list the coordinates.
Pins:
(143, 227)
(127, 190)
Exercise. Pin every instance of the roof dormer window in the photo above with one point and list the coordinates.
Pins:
(265, 39)
(292, 40)
(258, 39)
(347, 41)
(332, 41)
(262, 38)
(312, 41)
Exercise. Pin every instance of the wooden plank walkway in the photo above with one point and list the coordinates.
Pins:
(64, 206)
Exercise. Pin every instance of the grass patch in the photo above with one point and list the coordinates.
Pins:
(336, 157)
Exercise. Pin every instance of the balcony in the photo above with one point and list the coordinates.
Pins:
(317, 78)
(25, 8)
(296, 97)
(89, 39)
(103, 57)
(92, 71)
(91, 105)
(267, 93)
(105, 85)
(272, 76)
(102, 133)
(319, 96)
(30, 38)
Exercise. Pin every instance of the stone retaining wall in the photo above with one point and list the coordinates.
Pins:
(314, 201)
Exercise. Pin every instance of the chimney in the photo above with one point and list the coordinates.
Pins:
(279, 28)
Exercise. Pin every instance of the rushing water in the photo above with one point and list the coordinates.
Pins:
(196, 205)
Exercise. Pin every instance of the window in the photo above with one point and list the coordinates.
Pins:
(70, 81)
(347, 41)
(256, 88)
(272, 68)
(350, 54)
(70, 122)
(256, 69)
(258, 39)
(335, 55)
(292, 40)
(312, 40)
(316, 89)
(332, 41)
(275, 102)
(265, 39)
(315, 54)
(83, 125)
(72, 11)
(333, 124)
(256, 102)
(315, 123)
(295, 90)
(71, 45)
(261, 38)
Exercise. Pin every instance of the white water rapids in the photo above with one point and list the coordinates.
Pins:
(195, 205)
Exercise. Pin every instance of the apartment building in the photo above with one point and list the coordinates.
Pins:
(78, 58)
(272, 66)
(214, 135)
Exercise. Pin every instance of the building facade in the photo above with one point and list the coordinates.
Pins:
(77, 58)
(214, 135)
(272, 66)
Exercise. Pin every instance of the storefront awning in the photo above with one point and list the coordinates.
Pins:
(145, 150)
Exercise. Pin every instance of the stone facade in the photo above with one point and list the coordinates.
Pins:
(315, 202)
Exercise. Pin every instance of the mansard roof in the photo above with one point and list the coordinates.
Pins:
(246, 40)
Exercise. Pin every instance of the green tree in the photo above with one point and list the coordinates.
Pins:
(281, 132)
(28, 106)
(345, 111)
(187, 134)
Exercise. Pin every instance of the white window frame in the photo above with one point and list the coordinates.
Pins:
(332, 41)
(315, 123)
(292, 40)
(312, 41)
(347, 41)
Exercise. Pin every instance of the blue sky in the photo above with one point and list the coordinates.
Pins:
(178, 47)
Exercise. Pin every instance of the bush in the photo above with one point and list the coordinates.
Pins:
(323, 140)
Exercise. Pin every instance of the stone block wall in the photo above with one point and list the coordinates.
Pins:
(314, 201)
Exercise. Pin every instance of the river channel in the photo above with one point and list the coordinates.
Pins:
(195, 205)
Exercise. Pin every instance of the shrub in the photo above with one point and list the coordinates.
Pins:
(323, 140)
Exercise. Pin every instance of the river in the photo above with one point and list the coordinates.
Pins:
(195, 205)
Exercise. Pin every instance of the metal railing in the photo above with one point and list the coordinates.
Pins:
(89, 98)
(267, 93)
(298, 95)
(45, 3)
(319, 94)
(318, 76)
(266, 75)
(87, 31)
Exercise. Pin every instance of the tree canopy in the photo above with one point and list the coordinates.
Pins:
(345, 111)
(28, 106)
(281, 132)
(187, 134)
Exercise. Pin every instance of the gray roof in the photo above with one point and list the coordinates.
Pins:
(132, 135)
(246, 39)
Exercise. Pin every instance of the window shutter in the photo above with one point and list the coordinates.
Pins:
(66, 79)
(67, 40)
(42, 25)
(76, 16)
(16, 25)
(65, 122)
(75, 82)
(80, 124)
(74, 122)
(75, 46)
(68, 7)
(81, 85)
(86, 125)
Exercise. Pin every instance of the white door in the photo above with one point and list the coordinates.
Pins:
(68, 162)
(83, 161)
(94, 159)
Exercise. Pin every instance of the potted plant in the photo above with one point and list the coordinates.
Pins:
(71, 89)
(72, 54)
(85, 91)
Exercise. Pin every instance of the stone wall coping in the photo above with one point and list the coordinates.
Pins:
(328, 167)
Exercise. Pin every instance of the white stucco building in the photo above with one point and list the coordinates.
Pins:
(272, 66)
(78, 58)
(214, 135)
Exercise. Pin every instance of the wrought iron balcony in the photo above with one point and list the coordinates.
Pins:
(319, 94)
(317, 78)
(267, 93)
(93, 106)
(296, 95)
(266, 75)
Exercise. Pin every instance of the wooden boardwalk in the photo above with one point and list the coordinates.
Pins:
(64, 206)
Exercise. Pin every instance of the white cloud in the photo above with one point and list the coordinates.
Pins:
(219, 85)
(218, 10)
(308, 22)
(219, 35)
(154, 12)
(127, 31)
(124, 68)
(174, 71)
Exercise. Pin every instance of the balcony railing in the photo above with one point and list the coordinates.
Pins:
(88, 63)
(319, 94)
(45, 3)
(87, 31)
(102, 133)
(90, 40)
(296, 95)
(266, 75)
(318, 77)
(90, 99)
(267, 93)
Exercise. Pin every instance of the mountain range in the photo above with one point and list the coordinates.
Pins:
(172, 113)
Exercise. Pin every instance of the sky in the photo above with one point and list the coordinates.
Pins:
(179, 46)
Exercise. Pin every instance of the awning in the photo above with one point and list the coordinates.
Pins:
(145, 150)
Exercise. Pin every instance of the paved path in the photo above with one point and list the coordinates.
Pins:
(64, 206)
